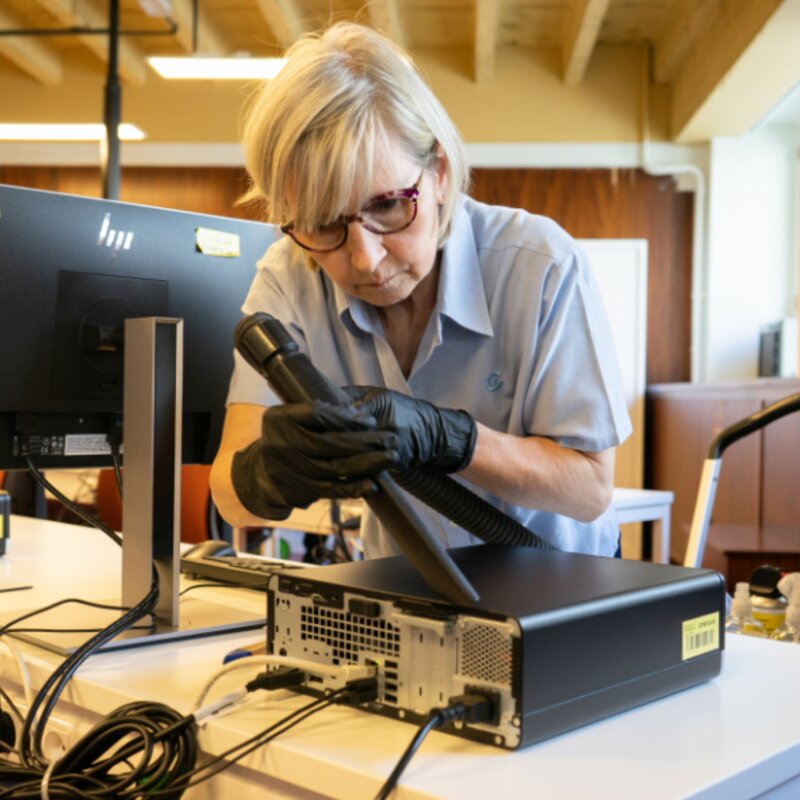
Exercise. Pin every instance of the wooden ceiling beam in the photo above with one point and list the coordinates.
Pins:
(88, 14)
(209, 39)
(748, 60)
(384, 15)
(487, 20)
(581, 37)
(285, 19)
(29, 54)
(688, 21)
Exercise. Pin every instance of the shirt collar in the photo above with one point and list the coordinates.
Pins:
(462, 296)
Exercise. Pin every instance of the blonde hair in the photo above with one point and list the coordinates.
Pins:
(310, 133)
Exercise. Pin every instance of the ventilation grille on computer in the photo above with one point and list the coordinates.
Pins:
(349, 634)
(486, 654)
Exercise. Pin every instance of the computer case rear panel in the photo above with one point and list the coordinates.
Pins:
(557, 640)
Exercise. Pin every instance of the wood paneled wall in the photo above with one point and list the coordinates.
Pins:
(205, 190)
(589, 203)
(756, 513)
(619, 204)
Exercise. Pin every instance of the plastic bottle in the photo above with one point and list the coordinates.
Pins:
(789, 586)
(767, 603)
(741, 620)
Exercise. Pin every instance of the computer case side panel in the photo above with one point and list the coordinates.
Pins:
(584, 663)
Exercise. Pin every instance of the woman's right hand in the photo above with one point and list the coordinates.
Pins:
(307, 451)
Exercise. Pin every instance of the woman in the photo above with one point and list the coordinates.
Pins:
(481, 326)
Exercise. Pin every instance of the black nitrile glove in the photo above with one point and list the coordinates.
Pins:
(308, 451)
(426, 434)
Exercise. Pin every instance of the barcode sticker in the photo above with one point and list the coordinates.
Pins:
(86, 444)
(700, 635)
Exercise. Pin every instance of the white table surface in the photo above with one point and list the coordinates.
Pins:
(734, 737)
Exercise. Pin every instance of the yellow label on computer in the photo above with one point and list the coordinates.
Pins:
(700, 635)
(222, 244)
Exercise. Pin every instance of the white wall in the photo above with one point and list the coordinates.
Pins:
(794, 282)
(751, 246)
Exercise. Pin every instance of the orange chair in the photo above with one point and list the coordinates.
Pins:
(195, 502)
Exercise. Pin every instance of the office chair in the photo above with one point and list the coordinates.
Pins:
(198, 513)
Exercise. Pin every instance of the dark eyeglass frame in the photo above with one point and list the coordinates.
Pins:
(411, 193)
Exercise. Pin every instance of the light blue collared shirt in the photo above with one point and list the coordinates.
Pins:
(518, 337)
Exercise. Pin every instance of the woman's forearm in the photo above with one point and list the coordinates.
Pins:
(538, 473)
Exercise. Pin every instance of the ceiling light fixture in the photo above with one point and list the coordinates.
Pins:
(197, 67)
(65, 132)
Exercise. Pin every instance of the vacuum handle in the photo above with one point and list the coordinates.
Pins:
(754, 422)
(269, 348)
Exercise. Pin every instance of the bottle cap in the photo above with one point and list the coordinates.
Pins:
(764, 581)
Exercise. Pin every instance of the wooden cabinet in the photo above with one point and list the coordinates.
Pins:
(756, 514)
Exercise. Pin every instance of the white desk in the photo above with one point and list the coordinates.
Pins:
(734, 737)
(647, 505)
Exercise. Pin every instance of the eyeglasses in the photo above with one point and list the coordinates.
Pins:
(391, 212)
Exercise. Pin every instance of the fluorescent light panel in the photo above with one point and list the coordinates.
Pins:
(206, 68)
(65, 132)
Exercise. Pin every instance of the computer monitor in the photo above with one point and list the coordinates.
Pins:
(72, 271)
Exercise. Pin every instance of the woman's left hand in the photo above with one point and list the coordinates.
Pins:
(427, 434)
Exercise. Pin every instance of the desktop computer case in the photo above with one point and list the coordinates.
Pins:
(557, 640)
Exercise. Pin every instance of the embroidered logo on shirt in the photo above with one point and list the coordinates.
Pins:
(494, 382)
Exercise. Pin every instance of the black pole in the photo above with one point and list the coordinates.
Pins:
(112, 111)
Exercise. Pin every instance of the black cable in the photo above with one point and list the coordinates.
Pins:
(470, 707)
(83, 484)
(260, 739)
(88, 518)
(105, 606)
(363, 690)
(221, 585)
(164, 741)
(170, 759)
(195, 776)
(340, 551)
(7, 722)
(433, 721)
(14, 710)
(116, 461)
(31, 753)
(165, 744)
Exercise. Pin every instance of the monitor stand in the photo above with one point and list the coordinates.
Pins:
(152, 409)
